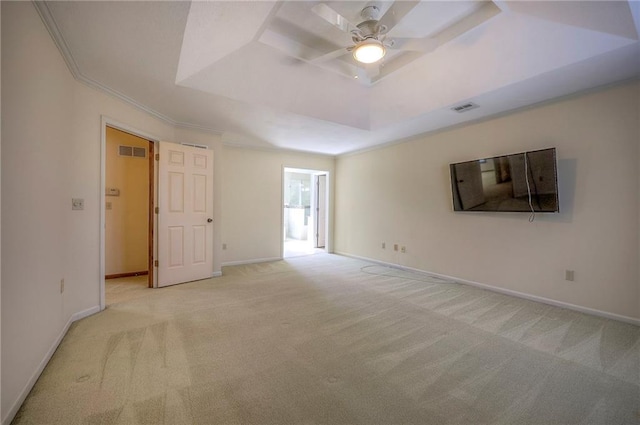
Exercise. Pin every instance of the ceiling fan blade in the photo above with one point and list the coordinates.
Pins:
(396, 12)
(331, 55)
(424, 45)
(333, 17)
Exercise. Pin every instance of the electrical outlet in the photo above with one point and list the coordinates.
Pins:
(224, 246)
(108, 206)
(61, 286)
(384, 245)
(403, 249)
(77, 204)
(395, 246)
(569, 275)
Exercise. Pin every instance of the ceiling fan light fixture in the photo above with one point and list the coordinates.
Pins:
(369, 51)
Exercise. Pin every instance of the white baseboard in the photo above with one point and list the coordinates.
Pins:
(36, 374)
(556, 303)
(253, 261)
(85, 313)
(216, 274)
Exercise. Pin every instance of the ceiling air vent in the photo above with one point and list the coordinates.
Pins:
(464, 107)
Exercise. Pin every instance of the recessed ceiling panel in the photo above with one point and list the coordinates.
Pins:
(216, 29)
(472, 65)
(250, 70)
(260, 75)
(613, 17)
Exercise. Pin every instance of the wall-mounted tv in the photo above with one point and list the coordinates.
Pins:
(522, 182)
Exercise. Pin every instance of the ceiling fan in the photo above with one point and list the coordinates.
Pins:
(370, 35)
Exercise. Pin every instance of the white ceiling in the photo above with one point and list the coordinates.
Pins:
(246, 69)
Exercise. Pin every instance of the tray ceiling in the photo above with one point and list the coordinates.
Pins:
(249, 70)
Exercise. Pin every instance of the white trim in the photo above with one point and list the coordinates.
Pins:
(238, 145)
(59, 41)
(85, 313)
(216, 274)
(486, 118)
(36, 374)
(45, 14)
(103, 221)
(282, 229)
(549, 301)
(253, 261)
(61, 44)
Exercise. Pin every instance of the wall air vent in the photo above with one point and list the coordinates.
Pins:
(139, 152)
(195, 146)
(464, 107)
(132, 151)
(125, 150)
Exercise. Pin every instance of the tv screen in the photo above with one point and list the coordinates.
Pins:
(521, 182)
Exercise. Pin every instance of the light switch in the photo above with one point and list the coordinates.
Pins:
(77, 204)
(108, 206)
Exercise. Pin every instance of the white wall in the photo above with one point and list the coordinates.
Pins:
(83, 239)
(37, 102)
(52, 128)
(401, 194)
(252, 194)
(51, 132)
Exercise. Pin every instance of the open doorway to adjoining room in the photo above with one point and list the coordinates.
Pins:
(304, 212)
(129, 220)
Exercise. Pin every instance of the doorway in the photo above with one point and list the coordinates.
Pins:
(304, 212)
(129, 215)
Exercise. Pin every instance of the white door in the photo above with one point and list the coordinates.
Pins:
(321, 210)
(185, 214)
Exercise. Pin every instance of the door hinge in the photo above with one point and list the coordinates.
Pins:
(157, 157)
(155, 263)
(157, 210)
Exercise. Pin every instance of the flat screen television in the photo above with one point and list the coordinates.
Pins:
(522, 182)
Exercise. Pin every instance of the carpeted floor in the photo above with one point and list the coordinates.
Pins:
(326, 339)
(125, 289)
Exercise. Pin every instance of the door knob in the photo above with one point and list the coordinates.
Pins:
(209, 220)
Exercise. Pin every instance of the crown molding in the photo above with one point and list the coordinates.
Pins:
(49, 22)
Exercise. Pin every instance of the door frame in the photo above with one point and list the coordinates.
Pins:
(316, 212)
(153, 194)
(328, 216)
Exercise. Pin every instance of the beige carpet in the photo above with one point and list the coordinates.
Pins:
(331, 340)
(126, 289)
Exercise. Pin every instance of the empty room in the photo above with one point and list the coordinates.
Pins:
(320, 212)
